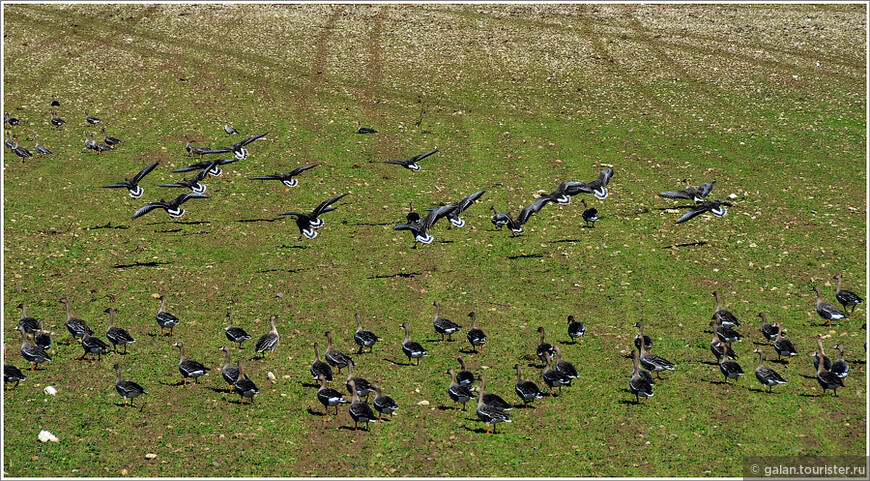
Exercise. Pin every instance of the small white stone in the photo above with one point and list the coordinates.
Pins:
(732, 196)
(45, 436)
(150, 456)
(423, 403)
(271, 376)
(50, 390)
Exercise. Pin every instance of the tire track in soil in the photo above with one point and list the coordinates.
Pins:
(311, 86)
(368, 92)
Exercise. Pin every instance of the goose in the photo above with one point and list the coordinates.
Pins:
(717, 343)
(464, 377)
(76, 327)
(229, 372)
(229, 129)
(476, 337)
(93, 345)
(695, 194)
(89, 144)
(383, 404)
(822, 355)
(189, 367)
(411, 348)
(117, 335)
(727, 334)
(40, 149)
(359, 411)
(765, 375)
(32, 353)
(173, 207)
(844, 297)
(110, 141)
(413, 217)
(328, 396)
(488, 413)
(286, 179)
(235, 334)
(363, 387)
(364, 130)
(7, 119)
(840, 367)
(244, 386)
(457, 392)
(193, 149)
(411, 163)
(55, 120)
(590, 215)
(717, 207)
(334, 357)
(654, 363)
(43, 340)
(269, 340)
(29, 324)
(91, 120)
(499, 219)
(127, 389)
(827, 311)
(641, 337)
(212, 166)
(565, 367)
(238, 149)
(54, 102)
(827, 379)
(309, 223)
(98, 147)
(576, 329)
(444, 326)
(527, 390)
(554, 378)
(769, 331)
(545, 350)
(730, 369)
(165, 319)
(363, 338)
(723, 316)
(11, 374)
(10, 143)
(20, 151)
(598, 187)
(516, 226)
(132, 184)
(783, 346)
(563, 193)
(194, 183)
(494, 400)
(460, 207)
(319, 368)
(641, 382)
(420, 230)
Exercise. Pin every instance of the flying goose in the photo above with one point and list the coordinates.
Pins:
(499, 219)
(489, 413)
(193, 149)
(730, 369)
(516, 226)
(210, 165)
(229, 129)
(411, 348)
(383, 404)
(31, 353)
(132, 185)
(577, 329)
(420, 230)
(412, 162)
(117, 335)
(235, 334)
(527, 390)
(165, 319)
(91, 120)
(363, 338)
(194, 183)
(268, 341)
(726, 318)
(476, 337)
(328, 396)
(309, 223)
(598, 187)
(287, 179)
(590, 215)
(334, 357)
(765, 375)
(244, 386)
(238, 149)
(844, 297)
(229, 372)
(110, 141)
(320, 369)
(189, 367)
(127, 389)
(827, 311)
(563, 193)
(641, 382)
(840, 367)
(690, 193)
(359, 411)
(444, 326)
(55, 120)
(40, 149)
(714, 206)
(364, 130)
(173, 207)
(460, 207)
(458, 393)
(827, 379)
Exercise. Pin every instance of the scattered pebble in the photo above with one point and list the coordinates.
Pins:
(50, 390)
(150, 456)
(45, 436)
(423, 403)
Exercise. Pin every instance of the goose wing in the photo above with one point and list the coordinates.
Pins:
(466, 202)
(704, 189)
(248, 141)
(185, 197)
(602, 180)
(148, 208)
(569, 187)
(675, 194)
(320, 209)
(297, 214)
(269, 177)
(533, 208)
(694, 212)
(398, 162)
(299, 170)
(116, 185)
(435, 214)
(417, 158)
(142, 173)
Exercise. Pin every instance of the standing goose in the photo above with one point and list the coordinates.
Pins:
(718, 347)
(212, 166)
(554, 378)
(527, 390)
(476, 337)
(654, 363)
(840, 367)
(229, 372)
(235, 334)
(727, 334)
(565, 367)
(20, 151)
(165, 320)
(359, 411)
(91, 119)
(844, 297)
(827, 311)
(494, 400)
(40, 149)
(117, 335)
(821, 351)
(76, 327)
(244, 386)
(42, 339)
(461, 206)
(10, 143)
(769, 331)
(590, 214)
(444, 326)
(173, 207)
(110, 141)
(498, 219)
(269, 340)
(783, 346)
(488, 413)
(363, 338)
(94, 345)
(89, 144)
(127, 389)
(363, 387)
(194, 183)
(29, 324)
(319, 368)
(765, 375)
(695, 194)
(411, 163)
(334, 357)
(132, 184)
(411, 348)
(464, 376)
(7, 119)
(545, 350)
(413, 217)
(309, 223)
(364, 130)
(189, 367)
(723, 316)
(457, 392)
(576, 329)
(420, 229)
(641, 382)
(229, 128)
(730, 369)
(717, 207)
(827, 379)
(11, 373)
(286, 179)
(328, 396)
(32, 353)
(642, 338)
(55, 120)
(383, 404)
(516, 226)
(98, 147)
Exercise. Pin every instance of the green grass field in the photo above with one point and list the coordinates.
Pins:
(768, 101)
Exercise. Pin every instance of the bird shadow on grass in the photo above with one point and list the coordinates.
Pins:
(259, 220)
(687, 244)
(475, 430)
(398, 363)
(526, 256)
(376, 224)
(285, 246)
(312, 412)
(140, 264)
(566, 240)
(109, 226)
(291, 271)
(398, 274)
